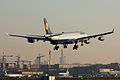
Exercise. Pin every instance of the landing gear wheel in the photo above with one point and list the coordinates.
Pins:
(56, 47)
(82, 44)
(75, 47)
(65, 45)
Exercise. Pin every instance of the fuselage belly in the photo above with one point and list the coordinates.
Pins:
(66, 38)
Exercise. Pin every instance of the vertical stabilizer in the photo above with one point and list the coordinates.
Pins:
(47, 29)
(5, 71)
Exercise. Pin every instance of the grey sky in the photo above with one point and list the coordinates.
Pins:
(90, 16)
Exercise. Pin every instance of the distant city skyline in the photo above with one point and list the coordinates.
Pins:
(26, 17)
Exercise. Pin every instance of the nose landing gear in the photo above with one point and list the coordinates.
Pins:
(82, 44)
(65, 45)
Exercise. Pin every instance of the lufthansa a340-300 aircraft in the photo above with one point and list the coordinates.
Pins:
(64, 38)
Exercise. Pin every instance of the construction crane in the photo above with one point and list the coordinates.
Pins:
(22, 61)
(26, 61)
(18, 61)
(39, 59)
(3, 60)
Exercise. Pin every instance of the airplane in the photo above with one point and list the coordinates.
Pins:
(66, 74)
(12, 75)
(63, 38)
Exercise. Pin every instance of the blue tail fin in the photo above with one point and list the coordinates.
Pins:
(47, 29)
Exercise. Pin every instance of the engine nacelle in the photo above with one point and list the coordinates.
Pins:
(101, 38)
(31, 40)
(86, 42)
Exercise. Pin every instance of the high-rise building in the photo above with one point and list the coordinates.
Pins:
(62, 58)
(36, 60)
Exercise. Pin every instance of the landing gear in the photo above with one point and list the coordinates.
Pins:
(65, 45)
(56, 47)
(82, 44)
(75, 47)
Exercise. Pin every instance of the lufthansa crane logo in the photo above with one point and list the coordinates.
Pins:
(46, 27)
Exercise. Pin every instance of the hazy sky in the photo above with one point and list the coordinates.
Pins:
(91, 16)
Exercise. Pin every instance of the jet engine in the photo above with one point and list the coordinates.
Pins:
(86, 42)
(101, 38)
(31, 40)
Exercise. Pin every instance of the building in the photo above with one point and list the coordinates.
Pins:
(62, 58)
(70, 65)
(109, 71)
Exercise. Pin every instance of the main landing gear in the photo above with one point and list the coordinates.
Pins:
(75, 47)
(56, 47)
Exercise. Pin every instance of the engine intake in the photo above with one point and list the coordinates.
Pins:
(101, 38)
(31, 40)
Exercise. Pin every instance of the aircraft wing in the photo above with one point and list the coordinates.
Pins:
(30, 37)
(97, 35)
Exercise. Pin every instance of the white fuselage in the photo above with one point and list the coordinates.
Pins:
(13, 75)
(64, 37)
(66, 74)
